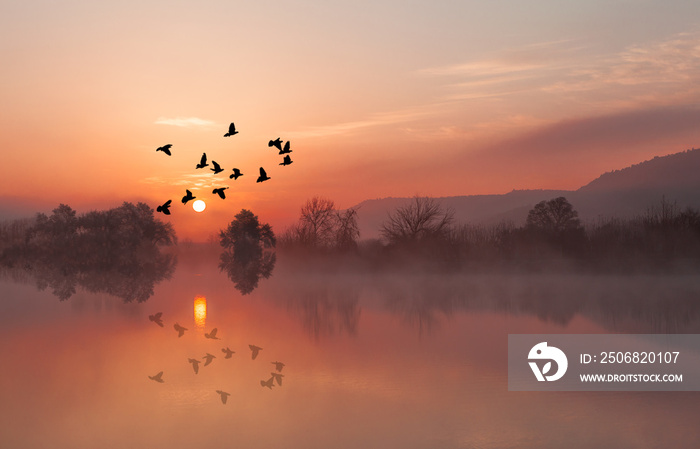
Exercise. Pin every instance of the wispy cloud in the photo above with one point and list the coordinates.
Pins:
(184, 122)
(512, 63)
(675, 61)
(190, 180)
(480, 69)
(658, 73)
(386, 118)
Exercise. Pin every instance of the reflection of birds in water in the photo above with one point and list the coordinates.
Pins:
(158, 377)
(267, 383)
(195, 364)
(156, 318)
(224, 395)
(228, 352)
(164, 208)
(286, 149)
(231, 130)
(277, 143)
(278, 365)
(263, 176)
(212, 334)
(165, 149)
(217, 168)
(220, 192)
(278, 377)
(287, 160)
(208, 358)
(188, 197)
(203, 161)
(180, 330)
(236, 174)
(255, 349)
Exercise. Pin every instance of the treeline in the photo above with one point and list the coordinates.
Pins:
(115, 251)
(423, 232)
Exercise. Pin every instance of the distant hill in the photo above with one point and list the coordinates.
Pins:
(676, 172)
(621, 193)
(12, 208)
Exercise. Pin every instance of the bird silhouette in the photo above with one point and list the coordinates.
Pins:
(158, 377)
(228, 352)
(231, 130)
(267, 383)
(220, 192)
(156, 318)
(195, 364)
(277, 143)
(217, 168)
(278, 377)
(203, 161)
(278, 365)
(188, 197)
(180, 330)
(165, 149)
(286, 148)
(236, 174)
(255, 349)
(212, 334)
(208, 358)
(263, 176)
(164, 208)
(287, 160)
(224, 395)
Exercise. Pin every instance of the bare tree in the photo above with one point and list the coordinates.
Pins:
(317, 222)
(322, 227)
(421, 219)
(347, 230)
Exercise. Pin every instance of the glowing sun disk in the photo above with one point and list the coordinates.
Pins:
(199, 205)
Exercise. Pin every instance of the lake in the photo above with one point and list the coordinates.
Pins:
(372, 360)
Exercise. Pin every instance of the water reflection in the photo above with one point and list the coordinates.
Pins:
(200, 311)
(246, 270)
(394, 361)
(332, 304)
(325, 307)
(662, 304)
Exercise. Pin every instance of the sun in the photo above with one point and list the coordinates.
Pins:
(199, 205)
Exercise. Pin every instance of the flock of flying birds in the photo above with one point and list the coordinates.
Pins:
(276, 375)
(277, 143)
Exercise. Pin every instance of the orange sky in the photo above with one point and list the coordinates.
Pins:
(378, 99)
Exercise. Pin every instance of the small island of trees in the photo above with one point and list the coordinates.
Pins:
(117, 251)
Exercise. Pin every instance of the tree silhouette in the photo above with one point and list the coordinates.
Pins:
(246, 237)
(555, 224)
(244, 258)
(346, 230)
(553, 217)
(317, 222)
(322, 227)
(420, 221)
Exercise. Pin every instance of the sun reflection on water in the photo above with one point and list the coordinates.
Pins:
(200, 311)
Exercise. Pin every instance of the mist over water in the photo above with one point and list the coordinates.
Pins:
(372, 359)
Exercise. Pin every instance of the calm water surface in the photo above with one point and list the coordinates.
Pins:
(372, 361)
